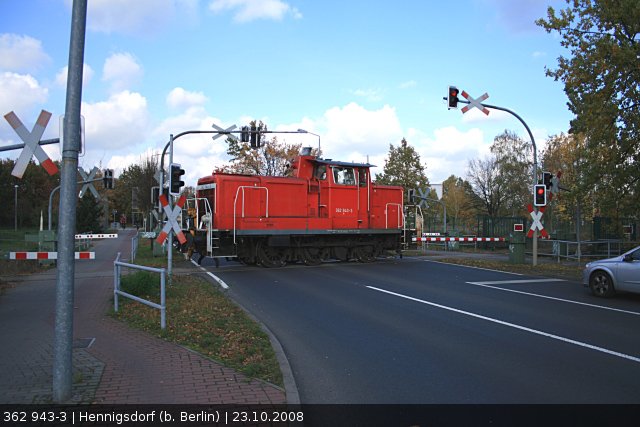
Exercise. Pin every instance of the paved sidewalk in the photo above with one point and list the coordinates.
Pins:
(112, 362)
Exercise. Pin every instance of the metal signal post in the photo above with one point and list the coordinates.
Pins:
(476, 103)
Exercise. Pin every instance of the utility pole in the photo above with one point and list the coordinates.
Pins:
(63, 335)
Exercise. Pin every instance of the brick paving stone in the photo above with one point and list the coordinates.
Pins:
(122, 365)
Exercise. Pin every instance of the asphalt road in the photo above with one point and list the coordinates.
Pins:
(417, 331)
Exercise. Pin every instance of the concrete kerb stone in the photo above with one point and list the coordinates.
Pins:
(290, 386)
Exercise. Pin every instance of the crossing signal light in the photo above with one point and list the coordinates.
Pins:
(255, 137)
(107, 179)
(546, 179)
(452, 97)
(244, 134)
(175, 183)
(540, 195)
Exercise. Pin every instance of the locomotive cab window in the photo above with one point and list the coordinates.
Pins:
(344, 175)
(321, 172)
(362, 177)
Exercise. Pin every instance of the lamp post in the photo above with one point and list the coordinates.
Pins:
(15, 204)
(311, 133)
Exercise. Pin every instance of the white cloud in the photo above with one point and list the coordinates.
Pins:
(180, 98)
(251, 10)
(134, 17)
(448, 151)
(368, 94)
(408, 84)
(21, 53)
(116, 124)
(87, 75)
(20, 93)
(198, 154)
(356, 129)
(121, 70)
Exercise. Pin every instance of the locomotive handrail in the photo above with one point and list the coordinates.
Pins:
(235, 202)
(386, 214)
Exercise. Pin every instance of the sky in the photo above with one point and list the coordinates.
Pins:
(360, 74)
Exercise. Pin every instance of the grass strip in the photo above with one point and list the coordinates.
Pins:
(202, 318)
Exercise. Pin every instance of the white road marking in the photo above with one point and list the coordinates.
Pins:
(485, 285)
(513, 325)
(219, 280)
(499, 282)
(470, 266)
(213, 276)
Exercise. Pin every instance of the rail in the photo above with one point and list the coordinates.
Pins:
(235, 203)
(117, 266)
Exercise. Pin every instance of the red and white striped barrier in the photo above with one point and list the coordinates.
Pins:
(48, 255)
(97, 236)
(458, 239)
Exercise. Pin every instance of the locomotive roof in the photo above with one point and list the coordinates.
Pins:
(349, 164)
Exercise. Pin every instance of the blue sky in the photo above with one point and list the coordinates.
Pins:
(361, 74)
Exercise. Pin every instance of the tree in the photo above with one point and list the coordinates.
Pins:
(484, 178)
(88, 214)
(514, 161)
(272, 158)
(602, 82)
(137, 178)
(403, 167)
(457, 196)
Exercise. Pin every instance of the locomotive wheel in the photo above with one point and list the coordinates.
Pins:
(311, 255)
(271, 257)
(365, 253)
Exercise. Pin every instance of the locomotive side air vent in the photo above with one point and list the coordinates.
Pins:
(306, 151)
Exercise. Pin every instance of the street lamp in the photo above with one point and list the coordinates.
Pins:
(314, 134)
(15, 204)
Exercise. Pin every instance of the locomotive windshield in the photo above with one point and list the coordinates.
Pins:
(344, 175)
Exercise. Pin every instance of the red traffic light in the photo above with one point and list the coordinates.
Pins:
(540, 195)
(452, 97)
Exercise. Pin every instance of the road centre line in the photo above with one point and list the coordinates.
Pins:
(513, 325)
(477, 268)
(485, 285)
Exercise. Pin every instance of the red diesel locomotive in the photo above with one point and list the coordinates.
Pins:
(326, 210)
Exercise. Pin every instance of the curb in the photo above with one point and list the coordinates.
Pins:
(290, 386)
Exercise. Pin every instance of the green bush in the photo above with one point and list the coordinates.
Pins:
(142, 284)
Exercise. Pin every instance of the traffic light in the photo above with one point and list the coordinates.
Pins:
(107, 179)
(244, 134)
(411, 195)
(175, 183)
(546, 179)
(255, 137)
(540, 195)
(452, 97)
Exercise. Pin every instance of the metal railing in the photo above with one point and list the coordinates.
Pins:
(117, 266)
(583, 250)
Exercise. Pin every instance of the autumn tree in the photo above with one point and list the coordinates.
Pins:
(271, 158)
(89, 214)
(139, 179)
(484, 177)
(602, 81)
(403, 167)
(457, 195)
(513, 158)
(33, 194)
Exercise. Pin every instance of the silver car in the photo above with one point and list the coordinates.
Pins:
(622, 273)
